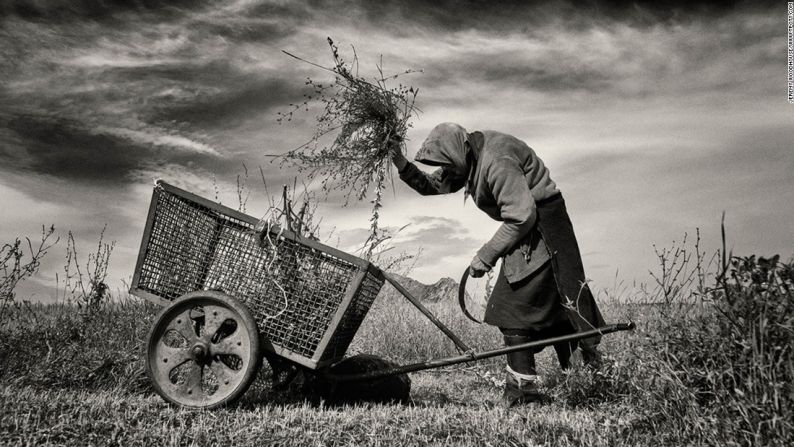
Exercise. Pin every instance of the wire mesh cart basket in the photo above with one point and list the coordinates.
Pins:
(235, 290)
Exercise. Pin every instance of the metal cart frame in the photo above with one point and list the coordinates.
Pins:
(208, 265)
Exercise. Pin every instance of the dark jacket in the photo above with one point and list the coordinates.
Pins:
(505, 178)
(508, 181)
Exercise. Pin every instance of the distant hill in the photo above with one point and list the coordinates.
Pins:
(445, 289)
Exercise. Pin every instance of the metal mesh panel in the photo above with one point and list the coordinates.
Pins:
(353, 317)
(293, 290)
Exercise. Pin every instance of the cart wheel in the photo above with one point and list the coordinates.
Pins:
(203, 350)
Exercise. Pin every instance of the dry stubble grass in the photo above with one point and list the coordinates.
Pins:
(70, 379)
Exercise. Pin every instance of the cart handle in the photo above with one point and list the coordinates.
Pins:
(471, 356)
(462, 347)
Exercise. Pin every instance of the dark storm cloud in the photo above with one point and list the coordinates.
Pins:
(260, 32)
(240, 23)
(616, 59)
(69, 150)
(68, 10)
(547, 78)
(507, 69)
(58, 147)
(97, 91)
(257, 22)
(223, 96)
(504, 16)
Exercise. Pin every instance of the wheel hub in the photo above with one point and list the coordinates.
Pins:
(200, 352)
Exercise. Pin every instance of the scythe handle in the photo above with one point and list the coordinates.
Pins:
(462, 297)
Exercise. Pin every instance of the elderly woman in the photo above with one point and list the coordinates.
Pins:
(540, 291)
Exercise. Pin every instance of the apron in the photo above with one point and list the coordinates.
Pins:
(535, 302)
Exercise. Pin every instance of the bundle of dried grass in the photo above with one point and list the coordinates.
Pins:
(370, 121)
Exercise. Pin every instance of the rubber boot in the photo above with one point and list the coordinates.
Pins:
(521, 384)
(590, 355)
(564, 351)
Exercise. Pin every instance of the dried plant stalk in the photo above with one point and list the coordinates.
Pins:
(369, 120)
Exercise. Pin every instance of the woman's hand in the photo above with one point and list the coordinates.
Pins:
(397, 156)
(399, 160)
(478, 268)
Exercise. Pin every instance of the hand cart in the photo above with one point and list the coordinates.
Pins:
(236, 291)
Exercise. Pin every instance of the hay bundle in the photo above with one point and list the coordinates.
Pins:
(370, 121)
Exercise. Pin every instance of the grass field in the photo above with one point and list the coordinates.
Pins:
(685, 376)
(105, 397)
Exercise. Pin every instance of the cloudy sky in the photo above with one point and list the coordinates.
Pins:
(654, 117)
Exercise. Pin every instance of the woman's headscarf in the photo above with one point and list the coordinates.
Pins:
(446, 146)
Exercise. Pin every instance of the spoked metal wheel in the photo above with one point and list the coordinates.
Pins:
(203, 350)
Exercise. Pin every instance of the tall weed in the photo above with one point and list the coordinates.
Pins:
(711, 359)
(18, 264)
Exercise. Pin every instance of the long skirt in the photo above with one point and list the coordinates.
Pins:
(556, 291)
(532, 303)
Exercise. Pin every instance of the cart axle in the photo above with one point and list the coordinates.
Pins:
(200, 352)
